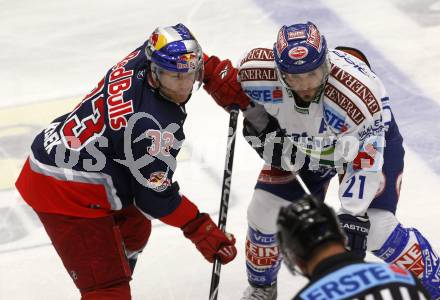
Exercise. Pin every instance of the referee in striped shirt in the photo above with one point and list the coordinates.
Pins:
(313, 245)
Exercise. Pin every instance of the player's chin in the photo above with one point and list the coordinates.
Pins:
(180, 98)
(307, 95)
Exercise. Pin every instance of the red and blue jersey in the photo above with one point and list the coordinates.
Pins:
(116, 148)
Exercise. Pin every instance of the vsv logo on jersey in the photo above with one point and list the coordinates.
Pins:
(120, 80)
(272, 94)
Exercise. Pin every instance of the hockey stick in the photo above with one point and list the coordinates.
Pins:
(224, 202)
(298, 178)
(303, 185)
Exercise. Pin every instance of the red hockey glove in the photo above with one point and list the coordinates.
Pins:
(220, 81)
(210, 240)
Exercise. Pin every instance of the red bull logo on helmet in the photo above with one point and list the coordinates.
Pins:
(187, 61)
(158, 40)
(153, 39)
(187, 57)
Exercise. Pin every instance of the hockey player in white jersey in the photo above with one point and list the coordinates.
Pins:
(318, 112)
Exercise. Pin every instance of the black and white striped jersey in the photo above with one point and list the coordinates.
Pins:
(345, 277)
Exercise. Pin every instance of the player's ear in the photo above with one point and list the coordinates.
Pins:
(355, 52)
(152, 77)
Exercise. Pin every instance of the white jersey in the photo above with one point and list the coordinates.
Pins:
(345, 119)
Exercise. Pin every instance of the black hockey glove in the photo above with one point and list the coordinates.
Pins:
(271, 143)
(356, 229)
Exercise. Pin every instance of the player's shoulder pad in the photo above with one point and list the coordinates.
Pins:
(257, 65)
(133, 61)
(355, 52)
(259, 54)
(353, 87)
(258, 76)
(350, 61)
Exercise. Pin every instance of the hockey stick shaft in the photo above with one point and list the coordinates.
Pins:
(224, 201)
(303, 185)
(298, 178)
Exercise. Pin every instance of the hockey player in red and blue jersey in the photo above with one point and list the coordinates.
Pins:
(315, 112)
(97, 175)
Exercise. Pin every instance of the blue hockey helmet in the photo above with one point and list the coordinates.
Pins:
(175, 49)
(299, 48)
